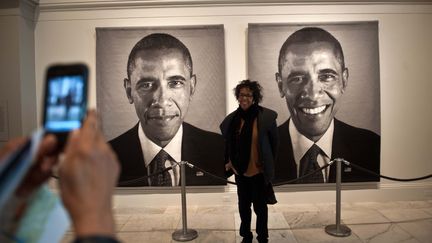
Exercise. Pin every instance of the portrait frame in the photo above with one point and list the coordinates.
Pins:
(359, 40)
(206, 45)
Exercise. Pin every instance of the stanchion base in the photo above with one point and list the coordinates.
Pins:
(179, 235)
(342, 232)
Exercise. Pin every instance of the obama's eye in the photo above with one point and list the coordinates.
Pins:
(175, 84)
(296, 79)
(327, 78)
(144, 85)
(327, 75)
(176, 81)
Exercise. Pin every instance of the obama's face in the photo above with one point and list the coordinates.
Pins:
(160, 86)
(312, 81)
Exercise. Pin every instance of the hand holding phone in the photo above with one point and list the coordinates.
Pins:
(65, 99)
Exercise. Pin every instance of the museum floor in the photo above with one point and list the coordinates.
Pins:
(401, 221)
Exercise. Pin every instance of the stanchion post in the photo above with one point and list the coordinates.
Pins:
(338, 229)
(184, 234)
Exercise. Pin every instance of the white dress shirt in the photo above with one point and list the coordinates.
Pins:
(173, 148)
(302, 144)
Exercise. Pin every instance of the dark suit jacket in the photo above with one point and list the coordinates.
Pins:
(267, 136)
(201, 148)
(353, 144)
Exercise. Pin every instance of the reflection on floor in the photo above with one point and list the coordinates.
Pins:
(404, 221)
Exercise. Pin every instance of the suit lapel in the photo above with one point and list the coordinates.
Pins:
(139, 164)
(188, 140)
(286, 167)
(340, 149)
(131, 157)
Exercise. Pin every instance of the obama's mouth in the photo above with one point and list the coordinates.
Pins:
(313, 110)
(161, 116)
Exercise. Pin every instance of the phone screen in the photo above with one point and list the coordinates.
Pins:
(65, 104)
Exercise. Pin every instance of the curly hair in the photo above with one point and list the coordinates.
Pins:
(254, 86)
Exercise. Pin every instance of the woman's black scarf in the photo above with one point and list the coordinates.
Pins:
(241, 140)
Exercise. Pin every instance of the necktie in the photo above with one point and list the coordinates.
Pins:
(157, 165)
(309, 164)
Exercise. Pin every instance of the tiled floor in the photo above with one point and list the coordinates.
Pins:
(404, 221)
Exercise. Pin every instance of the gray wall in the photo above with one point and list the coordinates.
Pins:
(17, 62)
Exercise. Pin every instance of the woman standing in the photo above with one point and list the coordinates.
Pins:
(251, 142)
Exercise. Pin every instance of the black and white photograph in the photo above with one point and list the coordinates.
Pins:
(323, 79)
(160, 92)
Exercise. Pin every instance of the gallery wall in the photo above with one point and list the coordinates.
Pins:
(17, 62)
(66, 32)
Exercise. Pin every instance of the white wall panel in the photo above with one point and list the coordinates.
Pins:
(66, 33)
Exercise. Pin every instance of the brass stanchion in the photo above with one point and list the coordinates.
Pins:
(184, 234)
(338, 229)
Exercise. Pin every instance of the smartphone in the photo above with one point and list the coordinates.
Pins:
(65, 99)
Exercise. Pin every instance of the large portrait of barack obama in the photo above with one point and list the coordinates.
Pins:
(161, 94)
(323, 80)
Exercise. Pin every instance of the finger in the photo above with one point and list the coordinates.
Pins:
(72, 141)
(37, 175)
(46, 158)
(100, 135)
(90, 126)
(95, 122)
(47, 164)
(90, 122)
(47, 146)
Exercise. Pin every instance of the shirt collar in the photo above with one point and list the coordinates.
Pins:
(150, 149)
(302, 144)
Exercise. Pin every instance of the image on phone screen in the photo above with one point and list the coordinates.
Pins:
(65, 103)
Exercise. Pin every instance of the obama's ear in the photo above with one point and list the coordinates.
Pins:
(193, 82)
(128, 89)
(279, 84)
(345, 75)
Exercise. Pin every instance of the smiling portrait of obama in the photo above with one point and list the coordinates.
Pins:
(160, 85)
(312, 78)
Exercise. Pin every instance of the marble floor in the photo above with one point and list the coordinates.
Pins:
(396, 221)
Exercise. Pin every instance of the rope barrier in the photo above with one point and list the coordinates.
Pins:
(136, 180)
(192, 166)
(274, 184)
(210, 174)
(143, 178)
(383, 176)
(319, 169)
(303, 176)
